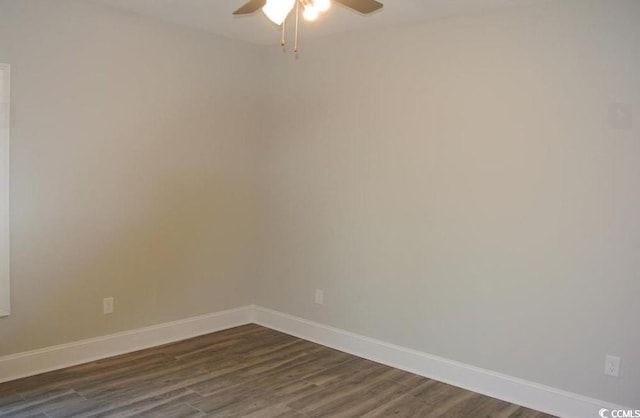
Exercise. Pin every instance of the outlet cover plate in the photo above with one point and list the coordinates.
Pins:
(107, 306)
(612, 366)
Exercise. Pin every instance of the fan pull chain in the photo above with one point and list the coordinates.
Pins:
(282, 42)
(295, 45)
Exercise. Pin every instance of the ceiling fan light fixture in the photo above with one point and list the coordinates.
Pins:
(321, 5)
(278, 10)
(310, 13)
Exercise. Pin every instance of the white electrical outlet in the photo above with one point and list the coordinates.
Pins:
(107, 306)
(612, 366)
(319, 297)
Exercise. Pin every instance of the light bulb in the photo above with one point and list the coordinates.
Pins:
(310, 13)
(321, 5)
(278, 10)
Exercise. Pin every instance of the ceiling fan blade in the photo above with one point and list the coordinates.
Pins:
(250, 7)
(362, 6)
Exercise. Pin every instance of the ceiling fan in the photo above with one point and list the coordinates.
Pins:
(278, 10)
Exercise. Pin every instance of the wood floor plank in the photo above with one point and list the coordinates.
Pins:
(10, 397)
(158, 381)
(181, 410)
(364, 400)
(359, 374)
(275, 411)
(248, 371)
(76, 408)
(100, 374)
(39, 405)
(137, 406)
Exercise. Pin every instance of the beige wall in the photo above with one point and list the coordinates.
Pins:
(454, 187)
(132, 171)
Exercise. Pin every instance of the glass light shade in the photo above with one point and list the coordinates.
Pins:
(310, 13)
(278, 10)
(321, 5)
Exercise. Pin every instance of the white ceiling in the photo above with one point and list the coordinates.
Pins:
(215, 16)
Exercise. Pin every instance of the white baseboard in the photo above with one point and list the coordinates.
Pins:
(518, 391)
(60, 356)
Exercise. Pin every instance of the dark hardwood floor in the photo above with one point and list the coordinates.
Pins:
(249, 371)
